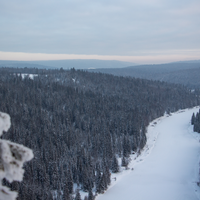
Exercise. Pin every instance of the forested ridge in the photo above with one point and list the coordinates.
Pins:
(179, 73)
(79, 123)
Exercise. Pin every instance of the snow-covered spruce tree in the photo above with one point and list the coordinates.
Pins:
(193, 119)
(124, 162)
(115, 165)
(85, 198)
(12, 158)
(78, 196)
(196, 122)
(90, 195)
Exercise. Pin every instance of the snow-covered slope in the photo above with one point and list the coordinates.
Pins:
(167, 169)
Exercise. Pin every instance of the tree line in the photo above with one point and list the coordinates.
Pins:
(195, 121)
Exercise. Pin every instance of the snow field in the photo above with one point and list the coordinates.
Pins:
(31, 76)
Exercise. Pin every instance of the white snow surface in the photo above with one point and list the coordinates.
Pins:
(167, 168)
(31, 76)
(4, 122)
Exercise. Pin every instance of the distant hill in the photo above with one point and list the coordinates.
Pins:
(182, 72)
(67, 64)
(20, 64)
(189, 61)
(186, 73)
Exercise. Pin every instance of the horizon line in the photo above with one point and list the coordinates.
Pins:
(139, 59)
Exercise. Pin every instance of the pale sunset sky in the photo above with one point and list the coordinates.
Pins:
(145, 31)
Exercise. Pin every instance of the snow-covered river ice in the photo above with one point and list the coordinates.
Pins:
(167, 169)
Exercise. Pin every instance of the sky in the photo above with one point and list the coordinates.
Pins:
(145, 31)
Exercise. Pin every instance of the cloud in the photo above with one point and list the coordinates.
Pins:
(99, 27)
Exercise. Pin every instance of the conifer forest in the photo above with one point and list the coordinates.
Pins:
(195, 121)
(81, 126)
